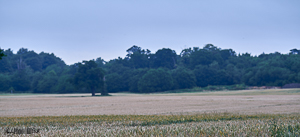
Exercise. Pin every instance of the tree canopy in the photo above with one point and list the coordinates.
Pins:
(155, 80)
(141, 71)
(89, 76)
(1, 53)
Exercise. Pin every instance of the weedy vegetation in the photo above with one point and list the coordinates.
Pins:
(209, 124)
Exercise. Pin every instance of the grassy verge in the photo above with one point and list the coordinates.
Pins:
(236, 92)
(213, 124)
(210, 88)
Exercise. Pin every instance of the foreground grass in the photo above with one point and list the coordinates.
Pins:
(216, 124)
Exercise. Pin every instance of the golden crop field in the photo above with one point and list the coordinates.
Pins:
(223, 113)
(212, 124)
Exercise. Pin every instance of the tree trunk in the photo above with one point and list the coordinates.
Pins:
(93, 92)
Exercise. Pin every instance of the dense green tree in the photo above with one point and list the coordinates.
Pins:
(20, 80)
(235, 73)
(227, 53)
(138, 57)
(183, 78)
(37, 77)
(165, 57)
(297, 78)
(50, 59)
(63, 85)
(244, 61)
(89, 76)
(47, 83)
(204, 56)
(141, 71)
(32, 60)
(122, 71)
(100, 62)
(212, 75)
(34, 63)
(267, 76)
(185, 56)
(295, 51)
(5, 81)
(136, 75)
(292, 63)
(5, 65)
(204, 75)
(113, 82)
(155, 80)
(56, 68)
(1, 53)
(72, 69)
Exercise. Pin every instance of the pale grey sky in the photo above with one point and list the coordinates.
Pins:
(77, 30)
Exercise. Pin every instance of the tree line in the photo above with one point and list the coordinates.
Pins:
(142, 71)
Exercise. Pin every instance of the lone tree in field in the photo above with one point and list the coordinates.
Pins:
(90, 76)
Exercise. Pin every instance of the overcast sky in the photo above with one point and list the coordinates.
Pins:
(77, 30)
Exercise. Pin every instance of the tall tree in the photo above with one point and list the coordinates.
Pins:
(138, 57)
(20, 80)
(295, 51)
(183, 78)
(5, 65)
(135, 77)
(100, 62)
(114, 82)
(166, 58)
(47, 83)
(90, 76)
(1, 54)
(155, 80)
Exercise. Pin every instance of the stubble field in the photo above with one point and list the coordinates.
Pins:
(223, 113)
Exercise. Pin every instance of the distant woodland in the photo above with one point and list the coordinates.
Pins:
(143, 71)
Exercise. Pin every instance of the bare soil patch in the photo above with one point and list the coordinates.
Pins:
(146, 104)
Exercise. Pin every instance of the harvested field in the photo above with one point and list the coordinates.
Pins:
(243, 102)
(224, 113)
